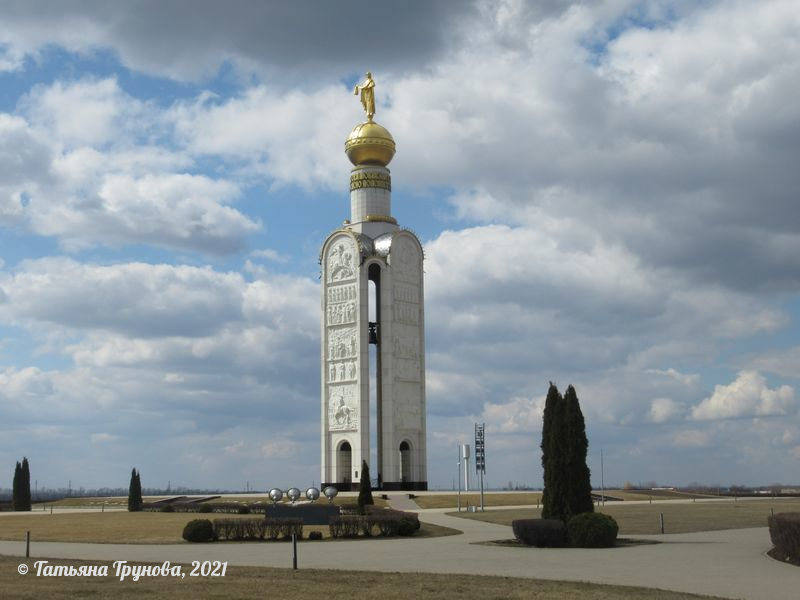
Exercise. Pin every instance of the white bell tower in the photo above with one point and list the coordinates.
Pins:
(371, 247)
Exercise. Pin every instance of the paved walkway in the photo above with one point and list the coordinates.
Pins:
(723, 563)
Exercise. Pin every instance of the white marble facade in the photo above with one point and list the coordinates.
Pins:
(346, 258)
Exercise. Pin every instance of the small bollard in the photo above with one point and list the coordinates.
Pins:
(661, 519)
(771, 511)
(27, 544)
(294, 551)
(51, 509)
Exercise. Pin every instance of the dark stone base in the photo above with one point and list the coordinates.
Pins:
(342, 487)
(311, 514)
(410, 486)
(388, 486)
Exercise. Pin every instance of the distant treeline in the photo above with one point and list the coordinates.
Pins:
(50, 494)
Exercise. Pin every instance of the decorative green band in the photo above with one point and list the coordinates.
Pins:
(370, 179)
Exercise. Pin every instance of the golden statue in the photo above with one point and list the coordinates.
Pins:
(367, 90)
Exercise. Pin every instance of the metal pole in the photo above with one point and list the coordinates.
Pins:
(27, 544)
(661, 518)
(482, 506)
(294, 551)
(458, 477)
(602, 479)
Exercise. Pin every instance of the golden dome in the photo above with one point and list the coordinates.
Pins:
(369, 144)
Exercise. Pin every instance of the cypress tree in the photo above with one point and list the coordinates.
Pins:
(16, 491)
(553, 456)
(25, 477)
(579, 486)
(135, 492)
(364, 488)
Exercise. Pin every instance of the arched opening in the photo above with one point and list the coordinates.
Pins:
(375, 382)
(344, 463)
(405, 462)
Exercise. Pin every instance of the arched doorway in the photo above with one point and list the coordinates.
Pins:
(405, 462)
(344, 463)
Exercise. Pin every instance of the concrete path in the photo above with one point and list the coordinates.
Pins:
(723, 563)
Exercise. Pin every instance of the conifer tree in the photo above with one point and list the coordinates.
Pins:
(554, 494)
(364, 488)
(25, 495)
(16, 490)
(579, 486)
(135, 492)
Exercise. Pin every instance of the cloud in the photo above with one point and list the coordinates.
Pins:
(162, 38)
(663, 409)
(747, 396)
(88, 165)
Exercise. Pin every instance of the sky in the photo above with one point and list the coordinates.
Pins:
(607, 194)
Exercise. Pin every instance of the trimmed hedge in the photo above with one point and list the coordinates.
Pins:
(383, 522)
(784, 531)
(542, 533)
(257, 529)
(199, 530)
(206, 507)
(592, 530)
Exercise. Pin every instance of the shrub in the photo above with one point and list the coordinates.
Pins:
(784, 531)
(542, 533)
(592, 530)
(407, 526)
(205, 508)
(346, 526)
(240, 529)
(244, 509)
(199, 530)
(167, 508)
(315, 535)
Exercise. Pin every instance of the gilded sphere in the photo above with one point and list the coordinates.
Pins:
(369, 144)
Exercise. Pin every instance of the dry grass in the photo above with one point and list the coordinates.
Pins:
(250, 582)
(678, 518)
(121, 501)
(490, 499)
(132, 528)
(102, 528)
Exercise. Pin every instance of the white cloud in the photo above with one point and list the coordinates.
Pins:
(747, 396)
(518, 415)
(87, 112)
(664, 409)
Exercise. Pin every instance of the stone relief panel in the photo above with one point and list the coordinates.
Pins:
(342, 371)
(342, 293)
(406, 293)
(342, 343)
(405, 260)
(342, 408)
(340, 314)
(406, 347)
(406, 370)
(341, 262)
(406, 313)
(407, 406)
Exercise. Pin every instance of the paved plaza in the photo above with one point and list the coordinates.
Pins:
(728, 563)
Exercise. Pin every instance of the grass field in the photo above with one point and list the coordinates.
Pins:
(131, 528)
(249, 582)
(122, 502)
(678, 518)
(493, 499)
